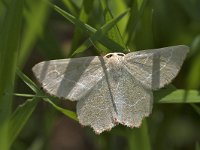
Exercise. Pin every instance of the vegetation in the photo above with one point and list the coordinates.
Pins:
(34, 30)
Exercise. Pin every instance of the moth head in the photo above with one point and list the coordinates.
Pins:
(114, 60)
(116, 55)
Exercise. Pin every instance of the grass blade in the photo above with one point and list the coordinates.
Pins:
(90, 30)
(28, 81)
(197, 146)
(113, 33)
(9, 43)
(196, 108)
(177, 96)
(83, 16)
(71, 7)
(21, 116)
(135, 15)
(85, 27)
(66, 112)
(99, 34)
(138, 138)
(117, 7)
(33, 29)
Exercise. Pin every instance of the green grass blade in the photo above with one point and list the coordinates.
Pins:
(137, 10)
(177, 96)
(37, 144)
(71, 6)
(29, 95)
(83, 16)
(85, 27)
(9, 43)
(24, 95)
(66, 112)
(90, 30)
(86, 44)
(99, 34)
(193, 78)
(117, 7)
(196, 108)
(28, 81)
(113, 33)
(21, 116)
(49, 46)
(33, 29)
(138, 138)
(110, 24)
(144, 31)
(197, 146)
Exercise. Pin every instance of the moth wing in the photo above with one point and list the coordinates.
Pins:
(69, 78)
(157, 67)
(96, 109)
(132, 100)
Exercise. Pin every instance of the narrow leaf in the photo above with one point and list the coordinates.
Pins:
(83, 16)
(137, 10)
(85, 27)
(99, 34)
(117, 7)
(138, 138)
(177, 96)
(197, 147)
(71, 6)
(9, 43)
(196, 108)
(33, 29)
(90, 30)
(66, 112)
(113, 33)
(21, 116)
(28, 81)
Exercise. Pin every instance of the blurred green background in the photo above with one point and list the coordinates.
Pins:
(35, 30)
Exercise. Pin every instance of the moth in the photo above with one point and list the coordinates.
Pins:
(111, 89)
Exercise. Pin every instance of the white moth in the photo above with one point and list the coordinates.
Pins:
(116, 88)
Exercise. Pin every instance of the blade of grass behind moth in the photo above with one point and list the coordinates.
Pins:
(9, 44)
(196, 108)
(71, 6)
(197, 146)
(137, 10)
(20, 117)
(66, 112)
(99, 34)
(88, 29)
(37, 143)
(193, 77)
(176, 96)
(49, 46)
(138, 138)
(117, 7)
(145, 32)
(83, 16)
(106, 27)
(28, 81)
(85, 27)
(33, 28)
(114, 32)
(194, 47)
